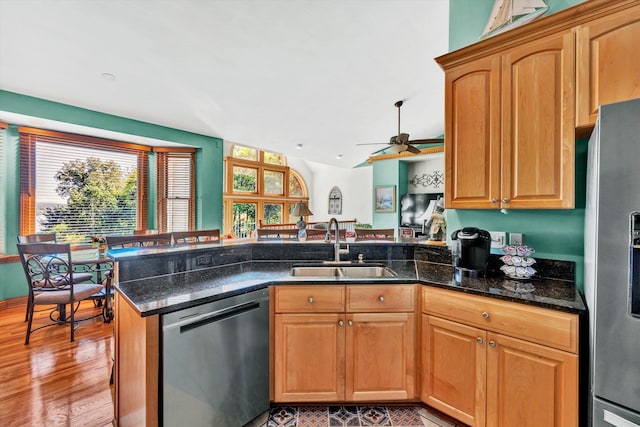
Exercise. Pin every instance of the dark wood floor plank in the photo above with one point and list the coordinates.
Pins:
(52, 381)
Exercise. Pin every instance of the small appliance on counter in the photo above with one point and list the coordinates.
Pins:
(470, 249)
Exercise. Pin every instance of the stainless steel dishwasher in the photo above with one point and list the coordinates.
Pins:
(215, 367)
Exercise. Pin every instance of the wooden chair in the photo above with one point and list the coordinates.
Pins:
(320, 234)
(375, 234)
(138, 240)
(196, 237)
(407, 232)
(38, 238)
(51, 280)
(142, 232)
(277, 234)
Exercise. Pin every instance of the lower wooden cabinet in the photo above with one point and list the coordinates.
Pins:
(344, 356)
(380, 356)
(309, 357)
(485, 378)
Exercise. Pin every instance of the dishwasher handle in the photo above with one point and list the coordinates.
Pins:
(214, 316)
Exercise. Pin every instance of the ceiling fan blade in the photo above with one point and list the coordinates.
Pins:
(427, 141)
(412, 149)
(379, 151)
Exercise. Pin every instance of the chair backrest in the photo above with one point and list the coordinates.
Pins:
(407, 232)
(38, 238)
(144, 231)
(138, 240)
(195, 237)
(46, 265)
(320, 234)
(277, 233)
(375, 234)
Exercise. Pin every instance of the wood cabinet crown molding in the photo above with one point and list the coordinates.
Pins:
(563, 20)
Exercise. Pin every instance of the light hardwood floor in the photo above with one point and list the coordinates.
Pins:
(52, 381)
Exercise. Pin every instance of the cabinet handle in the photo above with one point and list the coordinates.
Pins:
(494, 200)
(505, 200)
(492, 343)
(479, 340)
(310, 300)
(341, 323)
(350, 323)
(381, 298)
(485, 314)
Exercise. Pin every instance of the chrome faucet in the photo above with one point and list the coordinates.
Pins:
(336, 245)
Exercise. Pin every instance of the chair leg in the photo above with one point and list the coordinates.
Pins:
(29, 320)
(26, 314)
(73, 322)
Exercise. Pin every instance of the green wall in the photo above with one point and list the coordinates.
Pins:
(555, 234)
(385, 173)
(209, 169)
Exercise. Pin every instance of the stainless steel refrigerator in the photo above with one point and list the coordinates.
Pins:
(612, 265)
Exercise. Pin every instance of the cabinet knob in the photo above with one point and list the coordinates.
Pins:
(505, 200)
(485, 314)
(494, 200)
(341, 323)
(381, 298)
(350, 323)
(310, 300)
(492, 343)
(479, 340)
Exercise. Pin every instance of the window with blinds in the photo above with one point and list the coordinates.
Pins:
(3, 184)
(81, 187)
(176, 190)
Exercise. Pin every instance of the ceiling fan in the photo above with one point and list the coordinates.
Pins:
(400, 142)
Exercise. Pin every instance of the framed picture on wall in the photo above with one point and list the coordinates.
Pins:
(385, 198)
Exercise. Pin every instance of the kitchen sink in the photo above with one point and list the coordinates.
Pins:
(343, 271)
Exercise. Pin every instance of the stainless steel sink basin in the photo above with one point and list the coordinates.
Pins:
(353, 271)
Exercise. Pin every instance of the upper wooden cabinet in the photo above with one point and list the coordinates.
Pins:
(513, 103)
(509, 128)
(472, 129)
(608, 63)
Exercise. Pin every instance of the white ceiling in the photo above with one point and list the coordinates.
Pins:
(265, 73)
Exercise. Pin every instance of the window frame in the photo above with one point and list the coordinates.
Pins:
(163, 156)
(28, 139)
(260, 198)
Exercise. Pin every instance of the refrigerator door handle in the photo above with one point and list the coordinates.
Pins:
(617, 421)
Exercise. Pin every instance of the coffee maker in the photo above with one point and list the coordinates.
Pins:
(470, 249)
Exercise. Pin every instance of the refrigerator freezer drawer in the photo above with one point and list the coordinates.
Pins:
(606, 415)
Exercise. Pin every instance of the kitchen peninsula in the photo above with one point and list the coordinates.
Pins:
(374, 320)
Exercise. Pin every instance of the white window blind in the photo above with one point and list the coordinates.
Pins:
(177, 205)
(80, 187)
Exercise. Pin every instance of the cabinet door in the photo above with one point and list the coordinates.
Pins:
(538, 134)
(380, 356)
(529, 385)
(453, 369)
(608, 65)
(309, 357)
(472, 132)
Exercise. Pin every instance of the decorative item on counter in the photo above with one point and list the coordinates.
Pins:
(300, 209)
(517, 262)
(100, 243)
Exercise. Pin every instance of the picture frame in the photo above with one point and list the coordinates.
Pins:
(384, 198)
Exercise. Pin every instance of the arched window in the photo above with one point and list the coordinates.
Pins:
(259, 187)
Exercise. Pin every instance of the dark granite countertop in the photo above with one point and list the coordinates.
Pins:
(167, 293)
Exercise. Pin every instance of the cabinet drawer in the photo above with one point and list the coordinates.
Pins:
(547, 327)
(309, 299)
(380, 298)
